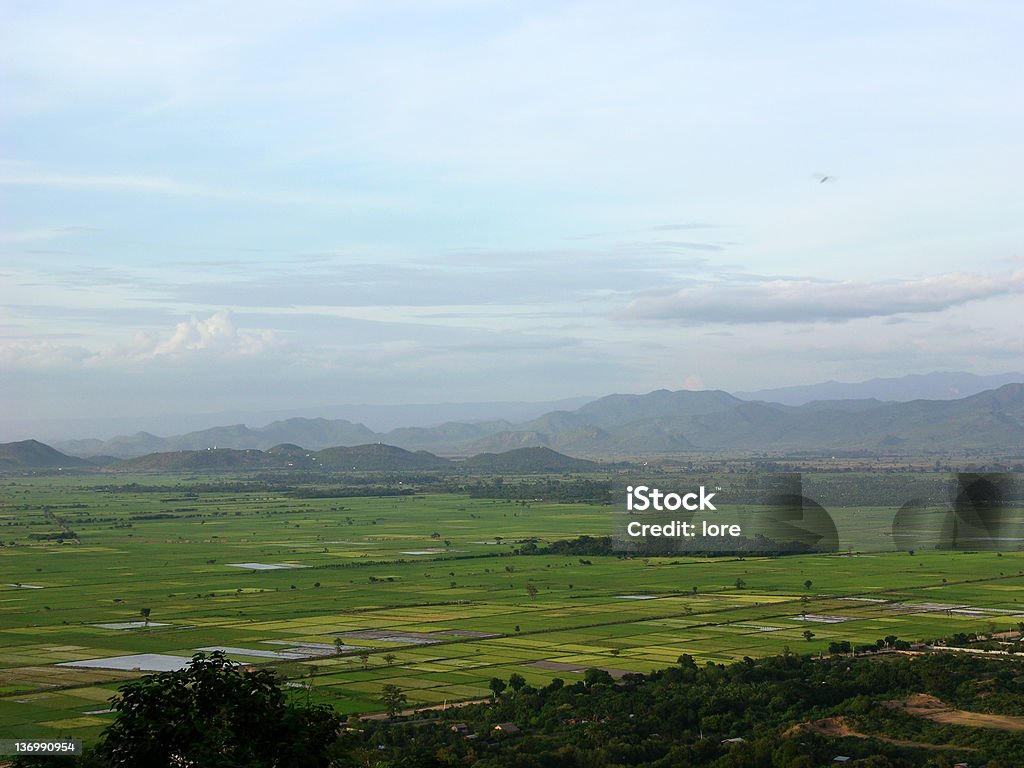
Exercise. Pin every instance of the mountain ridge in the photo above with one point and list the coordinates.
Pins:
(658, 422)
(937, 385)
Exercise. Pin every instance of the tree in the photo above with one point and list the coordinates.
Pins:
(807, 584)
(339, 646)
(516, 682)
(390, 658)
(686, 661)
(740, 583)
(214, 712)
(497, 685)
(144, 612)
(364, 657)
(393, 699)
(532, 591)
(808, 635)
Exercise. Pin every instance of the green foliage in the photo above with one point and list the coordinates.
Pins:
(752, 714)
(393, 699)
(497, 685)
(215, 713)
(581, 545)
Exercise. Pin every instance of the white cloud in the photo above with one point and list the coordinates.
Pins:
(40, 354)
(808, 300)
(215, 338)
(15, 174)
(163, 185)
(216, 333)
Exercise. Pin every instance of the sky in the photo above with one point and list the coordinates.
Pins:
(269, 205)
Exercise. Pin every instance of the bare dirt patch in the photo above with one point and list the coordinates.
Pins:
(838, 728)
(923, 705)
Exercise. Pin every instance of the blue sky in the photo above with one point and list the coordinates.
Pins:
(270, 205)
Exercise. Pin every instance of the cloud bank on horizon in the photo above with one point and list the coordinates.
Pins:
(220, 205)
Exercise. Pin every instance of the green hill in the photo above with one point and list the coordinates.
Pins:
(527, 460)
(198, 461)
(31, 454)
(378, 457)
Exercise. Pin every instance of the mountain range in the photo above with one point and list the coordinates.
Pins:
(657, 423)
(33, 456)
(939, 385)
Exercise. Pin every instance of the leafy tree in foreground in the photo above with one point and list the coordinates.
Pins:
(215, 714)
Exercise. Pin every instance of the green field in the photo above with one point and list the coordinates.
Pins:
(427, 584)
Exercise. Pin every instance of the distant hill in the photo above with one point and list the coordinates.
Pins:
(447, 434)
(122, 446)
(31, 454)
(379, 418)
(310, 433)
(680, 422)
(617, 410)
(623, 426)
(948, 385)
(527, 460)
(378, 457)
(228, 459)
(369, 458)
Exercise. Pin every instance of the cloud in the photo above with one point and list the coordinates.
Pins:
(674, 245)
(15, 174)
(681, 227)
(34, 235)
(811, 300)
(214, 338)
(99, 182)
(37, 353)
(479, 277)
(216, 333)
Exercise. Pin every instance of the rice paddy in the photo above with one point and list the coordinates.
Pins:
(346, 595)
